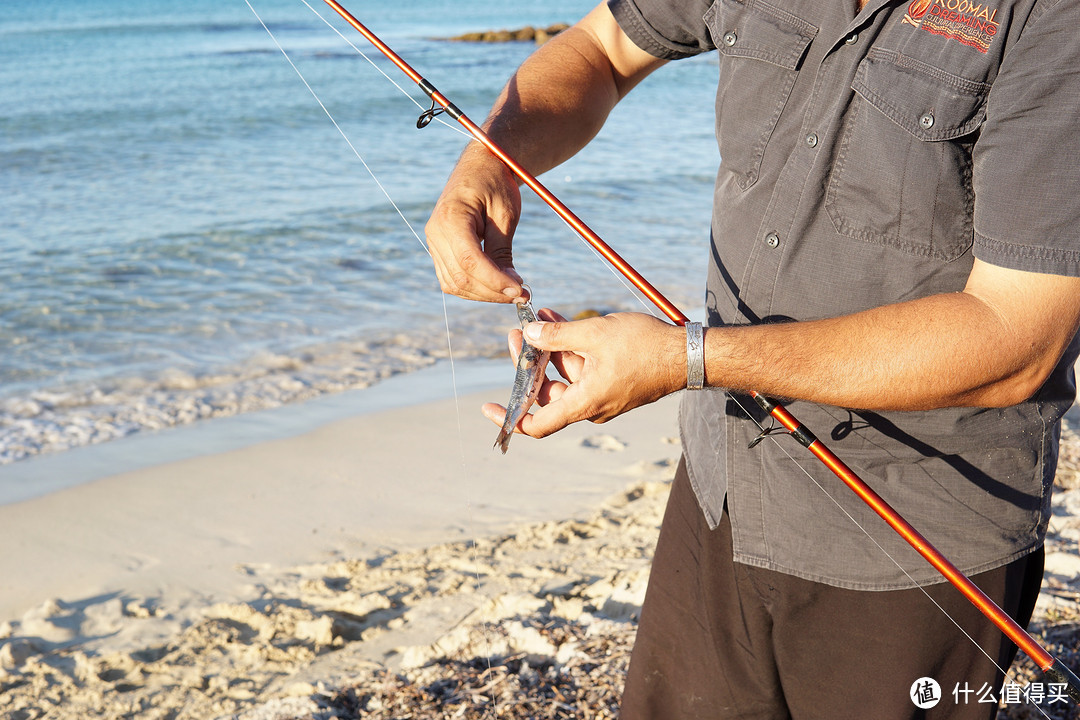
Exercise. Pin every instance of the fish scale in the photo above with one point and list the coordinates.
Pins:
(531, 364)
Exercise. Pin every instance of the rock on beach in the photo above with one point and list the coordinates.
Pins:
(525, 34)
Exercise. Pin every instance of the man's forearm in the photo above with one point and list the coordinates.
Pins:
(940, 351)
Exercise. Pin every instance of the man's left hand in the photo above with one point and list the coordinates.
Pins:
(609, 365)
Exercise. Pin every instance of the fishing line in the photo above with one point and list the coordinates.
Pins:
(470, 520)
(373, 64)
(792, 458)
(446, 315)
(339, 129)
(650, 309)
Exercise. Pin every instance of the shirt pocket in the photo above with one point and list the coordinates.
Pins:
(760, 48)
(902, 174)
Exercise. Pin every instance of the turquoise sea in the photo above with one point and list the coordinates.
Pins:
(184, 233)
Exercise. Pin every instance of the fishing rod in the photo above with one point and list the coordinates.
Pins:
(1051, 666)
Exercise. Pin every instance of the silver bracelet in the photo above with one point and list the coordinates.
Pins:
(695, 356)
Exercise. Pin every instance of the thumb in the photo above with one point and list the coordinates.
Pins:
(533, 332)
(556, 336)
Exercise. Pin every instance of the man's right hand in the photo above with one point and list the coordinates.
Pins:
(553, 105)
(471, 230)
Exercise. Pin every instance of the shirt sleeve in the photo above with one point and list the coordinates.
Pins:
(1026, 167)
(667, 29)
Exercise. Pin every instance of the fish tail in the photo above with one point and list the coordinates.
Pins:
(503, 441)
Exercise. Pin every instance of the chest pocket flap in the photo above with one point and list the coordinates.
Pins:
(928, 102)
(757, 30)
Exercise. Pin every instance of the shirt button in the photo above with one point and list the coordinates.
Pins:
(772, 240)
(926, 121)
(852, 39)
(811, 139)
(729, 38)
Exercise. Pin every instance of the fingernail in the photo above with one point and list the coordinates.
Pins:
(532, 330)
(511, 292)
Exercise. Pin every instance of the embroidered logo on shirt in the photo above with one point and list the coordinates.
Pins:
(970, 23)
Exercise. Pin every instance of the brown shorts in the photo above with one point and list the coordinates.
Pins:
(720, 639)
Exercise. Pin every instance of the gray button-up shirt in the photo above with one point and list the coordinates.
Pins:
(866, 159)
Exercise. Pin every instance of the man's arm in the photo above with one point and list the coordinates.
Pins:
(553, 106)
(992, 345)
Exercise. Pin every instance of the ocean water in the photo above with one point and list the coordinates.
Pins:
(184, 234)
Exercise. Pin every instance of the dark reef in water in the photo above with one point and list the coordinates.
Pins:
(525, 34)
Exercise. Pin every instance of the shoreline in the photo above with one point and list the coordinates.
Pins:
(58, 470)
(298, 485)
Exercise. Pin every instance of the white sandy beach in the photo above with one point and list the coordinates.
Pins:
(95, 574)
(266, 560)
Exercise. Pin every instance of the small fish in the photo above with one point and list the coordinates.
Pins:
(531, 364)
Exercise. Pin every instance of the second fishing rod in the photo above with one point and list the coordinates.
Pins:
(1051, 666)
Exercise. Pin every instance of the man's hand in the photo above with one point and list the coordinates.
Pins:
(471, 229)
(609, 365)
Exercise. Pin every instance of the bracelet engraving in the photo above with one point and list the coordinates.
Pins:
(695, 356)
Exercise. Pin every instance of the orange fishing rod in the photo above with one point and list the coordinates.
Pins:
(1053, 667)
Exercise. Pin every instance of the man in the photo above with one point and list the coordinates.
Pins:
(895, 249)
